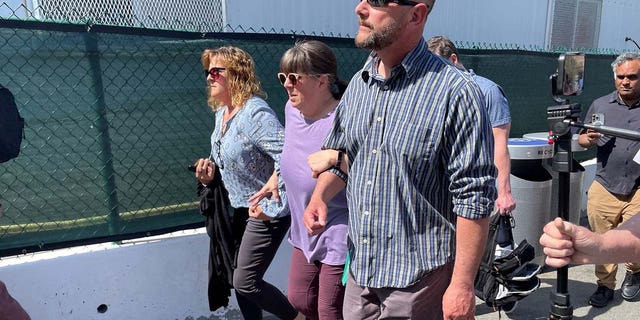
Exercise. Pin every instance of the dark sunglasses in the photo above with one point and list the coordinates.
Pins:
(293, 78)
(383, 3)
(214, 73)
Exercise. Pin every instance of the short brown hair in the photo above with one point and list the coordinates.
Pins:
(314, 57)
(442, 46)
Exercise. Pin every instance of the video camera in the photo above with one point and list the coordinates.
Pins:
(568, 80)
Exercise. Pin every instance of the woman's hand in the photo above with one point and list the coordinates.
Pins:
(269, 190)
(257, 213)
(204, 170)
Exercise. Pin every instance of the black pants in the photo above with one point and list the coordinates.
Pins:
(259, 245)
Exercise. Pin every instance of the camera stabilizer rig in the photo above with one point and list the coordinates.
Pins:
(567, 81)
(561, 118)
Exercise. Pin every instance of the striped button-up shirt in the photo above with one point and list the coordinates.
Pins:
(421, 152)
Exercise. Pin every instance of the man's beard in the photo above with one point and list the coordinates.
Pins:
(380, 39)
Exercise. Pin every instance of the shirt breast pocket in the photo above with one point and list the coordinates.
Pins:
(413, 142)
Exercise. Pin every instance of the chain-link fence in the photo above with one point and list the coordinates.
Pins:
(184, 15)
(115, 114)
(113, 117)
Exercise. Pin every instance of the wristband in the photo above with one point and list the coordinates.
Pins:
(341, 174)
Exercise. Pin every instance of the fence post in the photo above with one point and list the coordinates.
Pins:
(102, 125)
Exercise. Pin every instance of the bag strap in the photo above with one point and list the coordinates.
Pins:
(492, 237)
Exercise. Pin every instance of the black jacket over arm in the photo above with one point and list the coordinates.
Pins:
(225, 233)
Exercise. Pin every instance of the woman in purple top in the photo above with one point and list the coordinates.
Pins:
(309, 74)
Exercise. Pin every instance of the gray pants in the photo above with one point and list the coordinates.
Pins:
(422, 300)
(259, 245)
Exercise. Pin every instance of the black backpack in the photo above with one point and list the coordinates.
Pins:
(11, 126)
(509, 278)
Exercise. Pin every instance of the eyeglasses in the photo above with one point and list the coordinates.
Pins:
(383, 3)
(214, 73)
(293, 78)
(221, 164)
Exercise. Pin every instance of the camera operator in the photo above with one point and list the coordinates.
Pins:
(613, 197)
(565, 242)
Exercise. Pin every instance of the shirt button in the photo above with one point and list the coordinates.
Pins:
(366, 213)
(369, 182)
(365, 241)
(379, 119)
(385, 87)
(374, 151)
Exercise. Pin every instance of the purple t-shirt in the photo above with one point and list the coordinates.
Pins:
(302, 138)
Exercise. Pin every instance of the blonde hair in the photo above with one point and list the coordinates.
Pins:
(242, 81)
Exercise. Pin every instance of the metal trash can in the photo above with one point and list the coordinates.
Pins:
(531, 185)
(576, 179)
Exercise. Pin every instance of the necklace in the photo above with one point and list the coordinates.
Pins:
(223, 128)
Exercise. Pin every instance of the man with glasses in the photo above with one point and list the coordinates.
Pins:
(613, 197)
(420, 178)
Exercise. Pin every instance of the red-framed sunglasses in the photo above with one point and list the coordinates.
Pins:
(214, 73)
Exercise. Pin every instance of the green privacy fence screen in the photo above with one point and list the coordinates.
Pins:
(115, 114)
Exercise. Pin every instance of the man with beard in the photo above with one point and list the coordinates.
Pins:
(613, 197)
(415, 152)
